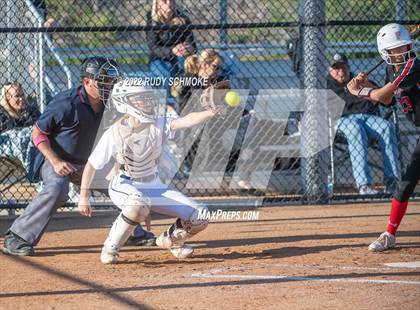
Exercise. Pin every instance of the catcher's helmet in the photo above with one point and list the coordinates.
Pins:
(103, 70)
(135, 100)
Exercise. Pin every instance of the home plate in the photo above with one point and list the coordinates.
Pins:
(404, 264)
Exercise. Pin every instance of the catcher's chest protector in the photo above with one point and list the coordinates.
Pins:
(138, 149)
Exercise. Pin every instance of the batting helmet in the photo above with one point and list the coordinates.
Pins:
(392, 36)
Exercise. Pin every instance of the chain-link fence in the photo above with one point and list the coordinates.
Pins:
(285, 142)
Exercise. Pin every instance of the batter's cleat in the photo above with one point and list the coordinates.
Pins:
(109, 255)
(386, 241)
(147, 239)
(15, 245)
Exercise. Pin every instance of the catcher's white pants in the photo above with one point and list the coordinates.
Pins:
(164, 200)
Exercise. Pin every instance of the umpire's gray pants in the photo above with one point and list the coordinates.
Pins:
(34, 220)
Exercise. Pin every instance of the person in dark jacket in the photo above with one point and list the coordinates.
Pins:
(360, 119)
(205, 66)
(168, 48)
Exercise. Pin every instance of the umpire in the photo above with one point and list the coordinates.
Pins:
(64, 135)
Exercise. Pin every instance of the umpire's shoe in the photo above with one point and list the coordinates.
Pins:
(147, 239)
(15, 245)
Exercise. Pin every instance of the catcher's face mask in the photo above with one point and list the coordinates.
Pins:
(144, 105)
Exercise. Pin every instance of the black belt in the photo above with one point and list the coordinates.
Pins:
(145, 179)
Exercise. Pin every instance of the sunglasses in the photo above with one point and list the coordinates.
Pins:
(215, 66)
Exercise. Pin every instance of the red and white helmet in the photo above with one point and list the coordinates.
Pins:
(391, 36)
(135, 100)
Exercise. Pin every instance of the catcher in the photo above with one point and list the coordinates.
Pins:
(403, 82)
(135, 142)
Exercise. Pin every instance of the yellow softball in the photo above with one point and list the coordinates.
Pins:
(232, 99)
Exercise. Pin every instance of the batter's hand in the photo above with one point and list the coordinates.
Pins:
(362, 79)
(84, 207)
(63, 168)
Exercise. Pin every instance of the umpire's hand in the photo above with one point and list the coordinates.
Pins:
(63, 168)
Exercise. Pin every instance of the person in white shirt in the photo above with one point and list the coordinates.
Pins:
(135, 142)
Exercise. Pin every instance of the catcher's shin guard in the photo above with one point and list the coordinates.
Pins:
(118, 235)
(136, 209)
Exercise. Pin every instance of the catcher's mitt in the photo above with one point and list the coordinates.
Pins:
(213, 97)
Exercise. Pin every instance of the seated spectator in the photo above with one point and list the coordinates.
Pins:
(15, 112)
(16, 119)
(168, 48)
(41, 6)
(360, 119)
(208, 64)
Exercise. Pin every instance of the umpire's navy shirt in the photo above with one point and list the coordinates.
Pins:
(71, 125)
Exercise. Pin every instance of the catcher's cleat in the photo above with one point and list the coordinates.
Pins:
(15, 245)
(147, 239)
(164, 241)
(179, 250)
(385, 242)
(109, 255)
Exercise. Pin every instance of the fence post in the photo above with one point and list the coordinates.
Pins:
(314, 170)
(223, 15)
(400, 10)
(9, 46)
(41, 66)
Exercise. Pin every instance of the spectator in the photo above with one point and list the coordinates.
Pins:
(15, 112)
(359, 121)
(168, 48)
(208, 64)
(16, 119)
(41, 6)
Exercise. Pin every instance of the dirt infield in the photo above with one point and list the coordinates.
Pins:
(311, 257)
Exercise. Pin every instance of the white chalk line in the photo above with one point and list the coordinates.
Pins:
(404, 265)
(298, 278)
(387, 267)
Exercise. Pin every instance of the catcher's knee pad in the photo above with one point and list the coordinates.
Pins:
(136, 209)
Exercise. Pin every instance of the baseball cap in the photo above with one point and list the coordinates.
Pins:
(338, 59)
